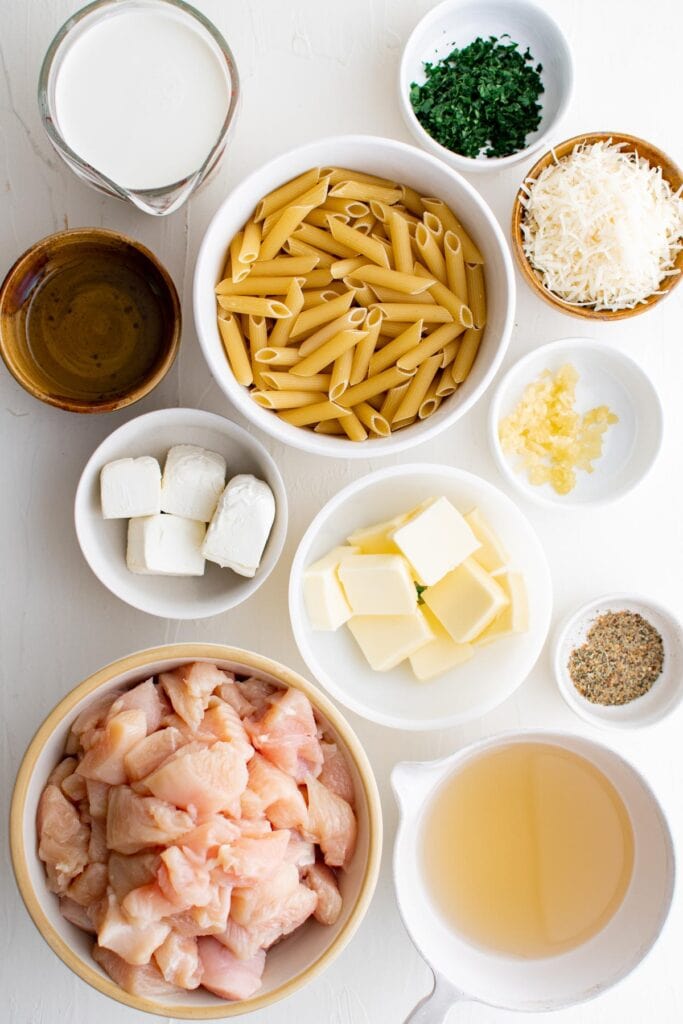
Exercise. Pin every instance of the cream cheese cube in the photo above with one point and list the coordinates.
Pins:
(492, 555)
(466, 601)
(377, 539)
(241, 525)
(193, 481)
(386, 640)
(435, 541)
(130, 487)
(165, 545)
(440, 654)
(378, 585)
(324, 596)
(514, 618)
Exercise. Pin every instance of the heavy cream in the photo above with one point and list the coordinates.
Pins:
(141, 95)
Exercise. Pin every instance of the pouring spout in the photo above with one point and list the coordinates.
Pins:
(434, 1008)
(412, 780)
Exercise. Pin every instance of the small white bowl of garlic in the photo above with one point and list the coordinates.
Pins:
(190, 543)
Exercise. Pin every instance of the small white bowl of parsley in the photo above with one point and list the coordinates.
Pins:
(483, 83)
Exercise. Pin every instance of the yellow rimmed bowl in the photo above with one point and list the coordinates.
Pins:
(293, 962)
(631, 143)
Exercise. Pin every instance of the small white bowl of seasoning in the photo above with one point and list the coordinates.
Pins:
(618, 661)
(456, 24)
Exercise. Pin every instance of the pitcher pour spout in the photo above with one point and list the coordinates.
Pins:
(433, 1009)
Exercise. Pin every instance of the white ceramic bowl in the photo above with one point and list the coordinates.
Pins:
(396, 698)
(410, 166)
(296, 960)
(606, 377)
(666, 692)
(465, 971)
(103, 541)
(460, 22)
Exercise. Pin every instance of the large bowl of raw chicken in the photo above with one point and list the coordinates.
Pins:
(196, 831)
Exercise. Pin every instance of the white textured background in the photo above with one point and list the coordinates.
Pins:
(311, 68)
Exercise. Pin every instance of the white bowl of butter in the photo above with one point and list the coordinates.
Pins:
(391, 693)
(169, 578)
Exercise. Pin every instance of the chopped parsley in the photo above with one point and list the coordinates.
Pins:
(420, 590)
(481, 98)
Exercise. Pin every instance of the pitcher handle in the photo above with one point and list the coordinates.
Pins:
(434, 1007)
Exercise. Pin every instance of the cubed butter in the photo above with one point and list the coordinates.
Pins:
(377, 539)
(241, 525)
(514, 618)
(435, 541)
(386, 640)
(193, 481)
(378, 585)
(165, 545)
(130, 487)
(466, 601)
(324, 596)
(440, 654)
(491, 554)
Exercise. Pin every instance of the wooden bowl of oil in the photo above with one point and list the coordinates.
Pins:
(89, 320)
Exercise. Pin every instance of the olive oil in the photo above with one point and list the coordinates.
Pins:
(527, 850)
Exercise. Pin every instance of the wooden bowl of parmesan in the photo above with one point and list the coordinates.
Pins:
(597, 226)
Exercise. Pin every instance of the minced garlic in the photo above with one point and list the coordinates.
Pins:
(551, 438)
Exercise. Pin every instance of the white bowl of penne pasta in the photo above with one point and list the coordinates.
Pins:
(354, 297)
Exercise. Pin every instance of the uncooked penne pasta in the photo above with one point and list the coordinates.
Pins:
(255, 286)
(351, 207)
(285, 225)
(318, 278)
(446, 385)
(287, 399)
(392, 400)
(429, 346)
(314, 413)
(298, 248)
(365, 224)
(451, 223)
(445, 297)
(328, 353)
(253, 305)
(419, 385)
(388, 355)
(402, 424)
(363, 351)
(411, 200)
(409, 312)
(269, 356)
(320, 218)
(356, 242)
(353, 428)
(289, 382)
(294, 300)
(431, 401)
(396, 280)
(430, 253)
(400, 242)
(389, 295)
(354, 188)
(324, 240)
(353, 318)
(466, 354)
(372, 386)
(448, 353)
(251, 243)
(434, 226)
(257, 333)
(311, 199)
(337, 174)
(314, 296)
(342, 268)
(363, 293)
(236, 349)
(310, 319)
(341, 370)
(329, 427)
(455, 265)
(372, 419)
(476, 292)
(284, 266)
(239, 270)
(391, 330)
(286, 194)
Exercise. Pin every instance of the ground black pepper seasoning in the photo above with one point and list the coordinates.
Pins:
(622, 657)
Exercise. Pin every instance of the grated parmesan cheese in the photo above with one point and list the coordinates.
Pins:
(602, 227)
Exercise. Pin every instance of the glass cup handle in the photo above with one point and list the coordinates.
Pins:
(434, 1007)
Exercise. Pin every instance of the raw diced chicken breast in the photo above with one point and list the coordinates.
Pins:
(207, 837)
(138, 981)
(189, 687)
(98, 795)
(281, 798)
(258, 692)
(225, 975)
(204, 779)
(287, 735)
(63, 839)
(73, 787)
(331, 824)
(63, 770)
(254, 827)
(178, 960)
(104, 760)
(208, 920)
(241, 941)
(146, 756)
(147, 904)
(134, 944)
(135, 822)
(128, 873)
(76, 914)
(232, 694)
(248, 861)
(222, 722)
(250, 804)
(299, 851)
(335, 772)
(184, 878)
(144, 697)
(258, 904)
(95, 713)
(322, 880)
(97, 847)
(290, 915)
(90, 886)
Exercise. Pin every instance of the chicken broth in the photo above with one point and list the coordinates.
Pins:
(527, 850)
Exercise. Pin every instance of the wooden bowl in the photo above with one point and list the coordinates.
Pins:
(656, 158)
(291, 963)
(89, 320)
